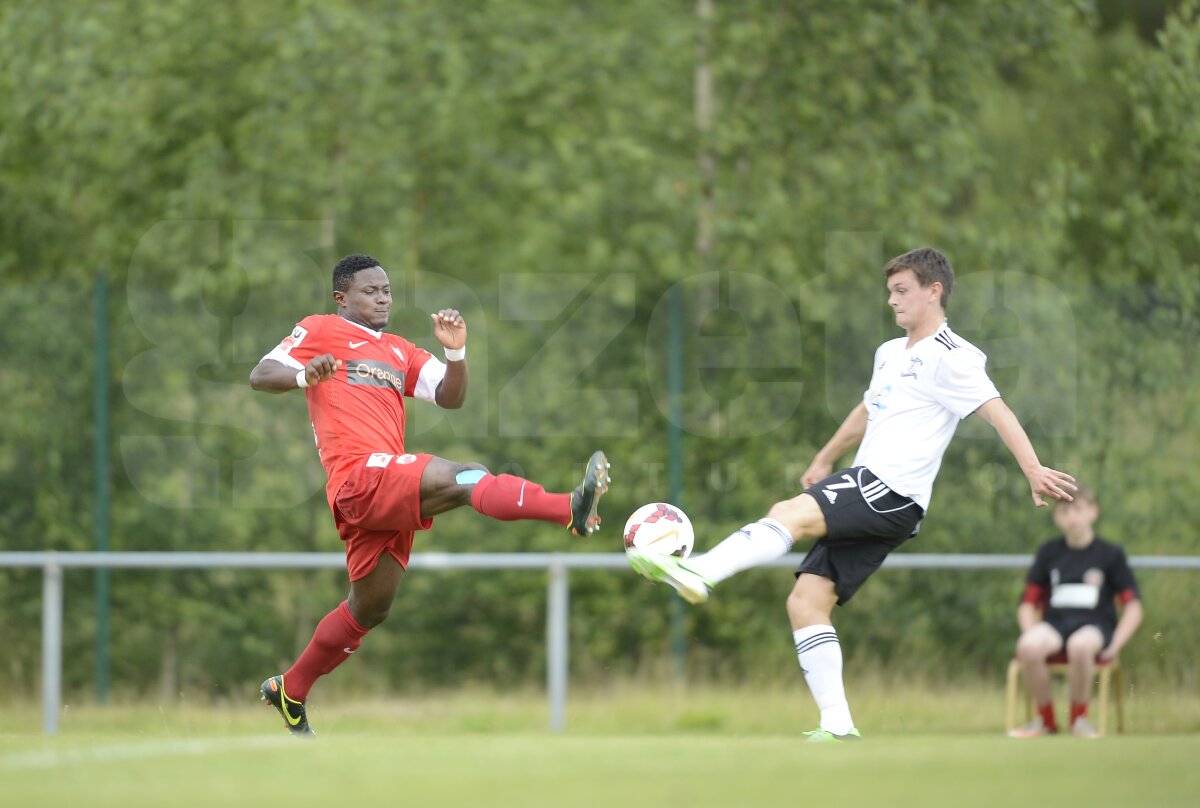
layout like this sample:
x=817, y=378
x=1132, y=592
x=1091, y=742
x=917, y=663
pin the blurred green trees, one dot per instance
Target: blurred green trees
x=535, y=165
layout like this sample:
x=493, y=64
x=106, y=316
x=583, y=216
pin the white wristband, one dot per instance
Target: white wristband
x=301, y=379
x=456, y=354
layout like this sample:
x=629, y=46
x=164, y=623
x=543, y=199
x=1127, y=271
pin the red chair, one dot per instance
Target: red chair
x=1108, y=674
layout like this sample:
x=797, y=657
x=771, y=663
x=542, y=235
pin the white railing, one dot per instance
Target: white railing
x=557, y=566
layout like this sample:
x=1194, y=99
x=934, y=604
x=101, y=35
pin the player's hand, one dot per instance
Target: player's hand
x=449, y=328
x=321, y=368
x=1108, y=654
x=816, y=471
x=1047, y=482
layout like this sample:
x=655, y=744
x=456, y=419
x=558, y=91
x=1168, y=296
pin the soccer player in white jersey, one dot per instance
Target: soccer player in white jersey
x=922, y=385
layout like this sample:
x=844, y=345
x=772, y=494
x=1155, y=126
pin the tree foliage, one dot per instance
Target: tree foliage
x=535, y=165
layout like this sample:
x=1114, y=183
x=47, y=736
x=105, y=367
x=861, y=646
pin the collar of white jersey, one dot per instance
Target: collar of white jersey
x=944, y=328
x=371, y=331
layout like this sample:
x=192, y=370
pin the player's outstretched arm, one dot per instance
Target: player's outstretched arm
x=1131, y=618
x=847, y=436
x=451, y=331
x=270, y=376
x=1043, y=481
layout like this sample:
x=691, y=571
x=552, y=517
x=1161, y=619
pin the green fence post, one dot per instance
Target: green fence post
x=103, y=488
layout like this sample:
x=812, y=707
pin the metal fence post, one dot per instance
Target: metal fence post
x=557, y=612
x=52, y=623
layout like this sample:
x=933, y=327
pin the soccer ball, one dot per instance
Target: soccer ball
x=660, y=528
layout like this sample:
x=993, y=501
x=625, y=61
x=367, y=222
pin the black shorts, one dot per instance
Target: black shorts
x=1067, y=625
x=864, y=520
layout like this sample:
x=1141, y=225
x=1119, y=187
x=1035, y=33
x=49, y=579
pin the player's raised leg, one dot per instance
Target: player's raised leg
x=752, y=545
x=810, y=607
x=755, y=544
x=446, y=485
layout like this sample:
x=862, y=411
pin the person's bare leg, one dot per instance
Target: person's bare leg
x=1082, y=647
x=801, y=516
x=810, y=609
x=371, y=597
x=1033, y=646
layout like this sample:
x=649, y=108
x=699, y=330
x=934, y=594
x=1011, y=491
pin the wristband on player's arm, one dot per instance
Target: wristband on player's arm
x=456, y=354
x=302, y=378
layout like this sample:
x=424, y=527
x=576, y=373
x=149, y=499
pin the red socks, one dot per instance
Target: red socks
x=338, y=635
x=1046, y=711
x=1077, y=709
x=506, y=498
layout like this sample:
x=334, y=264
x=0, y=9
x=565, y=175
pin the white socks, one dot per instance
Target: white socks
x=817, y=647
x=820, y=656
x=756, y=543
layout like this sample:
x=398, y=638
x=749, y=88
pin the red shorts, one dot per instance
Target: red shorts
x=378, y=509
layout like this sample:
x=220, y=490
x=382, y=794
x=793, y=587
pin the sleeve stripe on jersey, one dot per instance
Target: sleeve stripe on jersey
x=1034, y=594
x=285, y=359
x=431, y=375
x=945, y=340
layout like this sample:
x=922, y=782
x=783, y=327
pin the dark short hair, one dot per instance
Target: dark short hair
x=1081, y=494
x=348, y=267
x=930, y=267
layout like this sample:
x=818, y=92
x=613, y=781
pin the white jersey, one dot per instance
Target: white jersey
x=916, y=399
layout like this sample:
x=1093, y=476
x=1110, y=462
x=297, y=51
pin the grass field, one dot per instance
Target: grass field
x=623, y=748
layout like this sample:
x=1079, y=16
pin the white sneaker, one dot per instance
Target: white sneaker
x=1034, y=729
x=1082, y=728
x=690, y=585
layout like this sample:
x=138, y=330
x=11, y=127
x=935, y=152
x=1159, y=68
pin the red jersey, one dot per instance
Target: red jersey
x=360, y=411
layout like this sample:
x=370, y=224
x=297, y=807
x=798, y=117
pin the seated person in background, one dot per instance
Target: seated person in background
x=1070, y=602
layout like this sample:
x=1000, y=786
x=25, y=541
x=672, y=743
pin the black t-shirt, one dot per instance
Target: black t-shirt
x=1080, y=585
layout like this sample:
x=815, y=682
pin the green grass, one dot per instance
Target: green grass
x=601, y=770
x=625, y=747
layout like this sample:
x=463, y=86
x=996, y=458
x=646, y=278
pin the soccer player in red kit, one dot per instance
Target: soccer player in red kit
x=356, y=377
